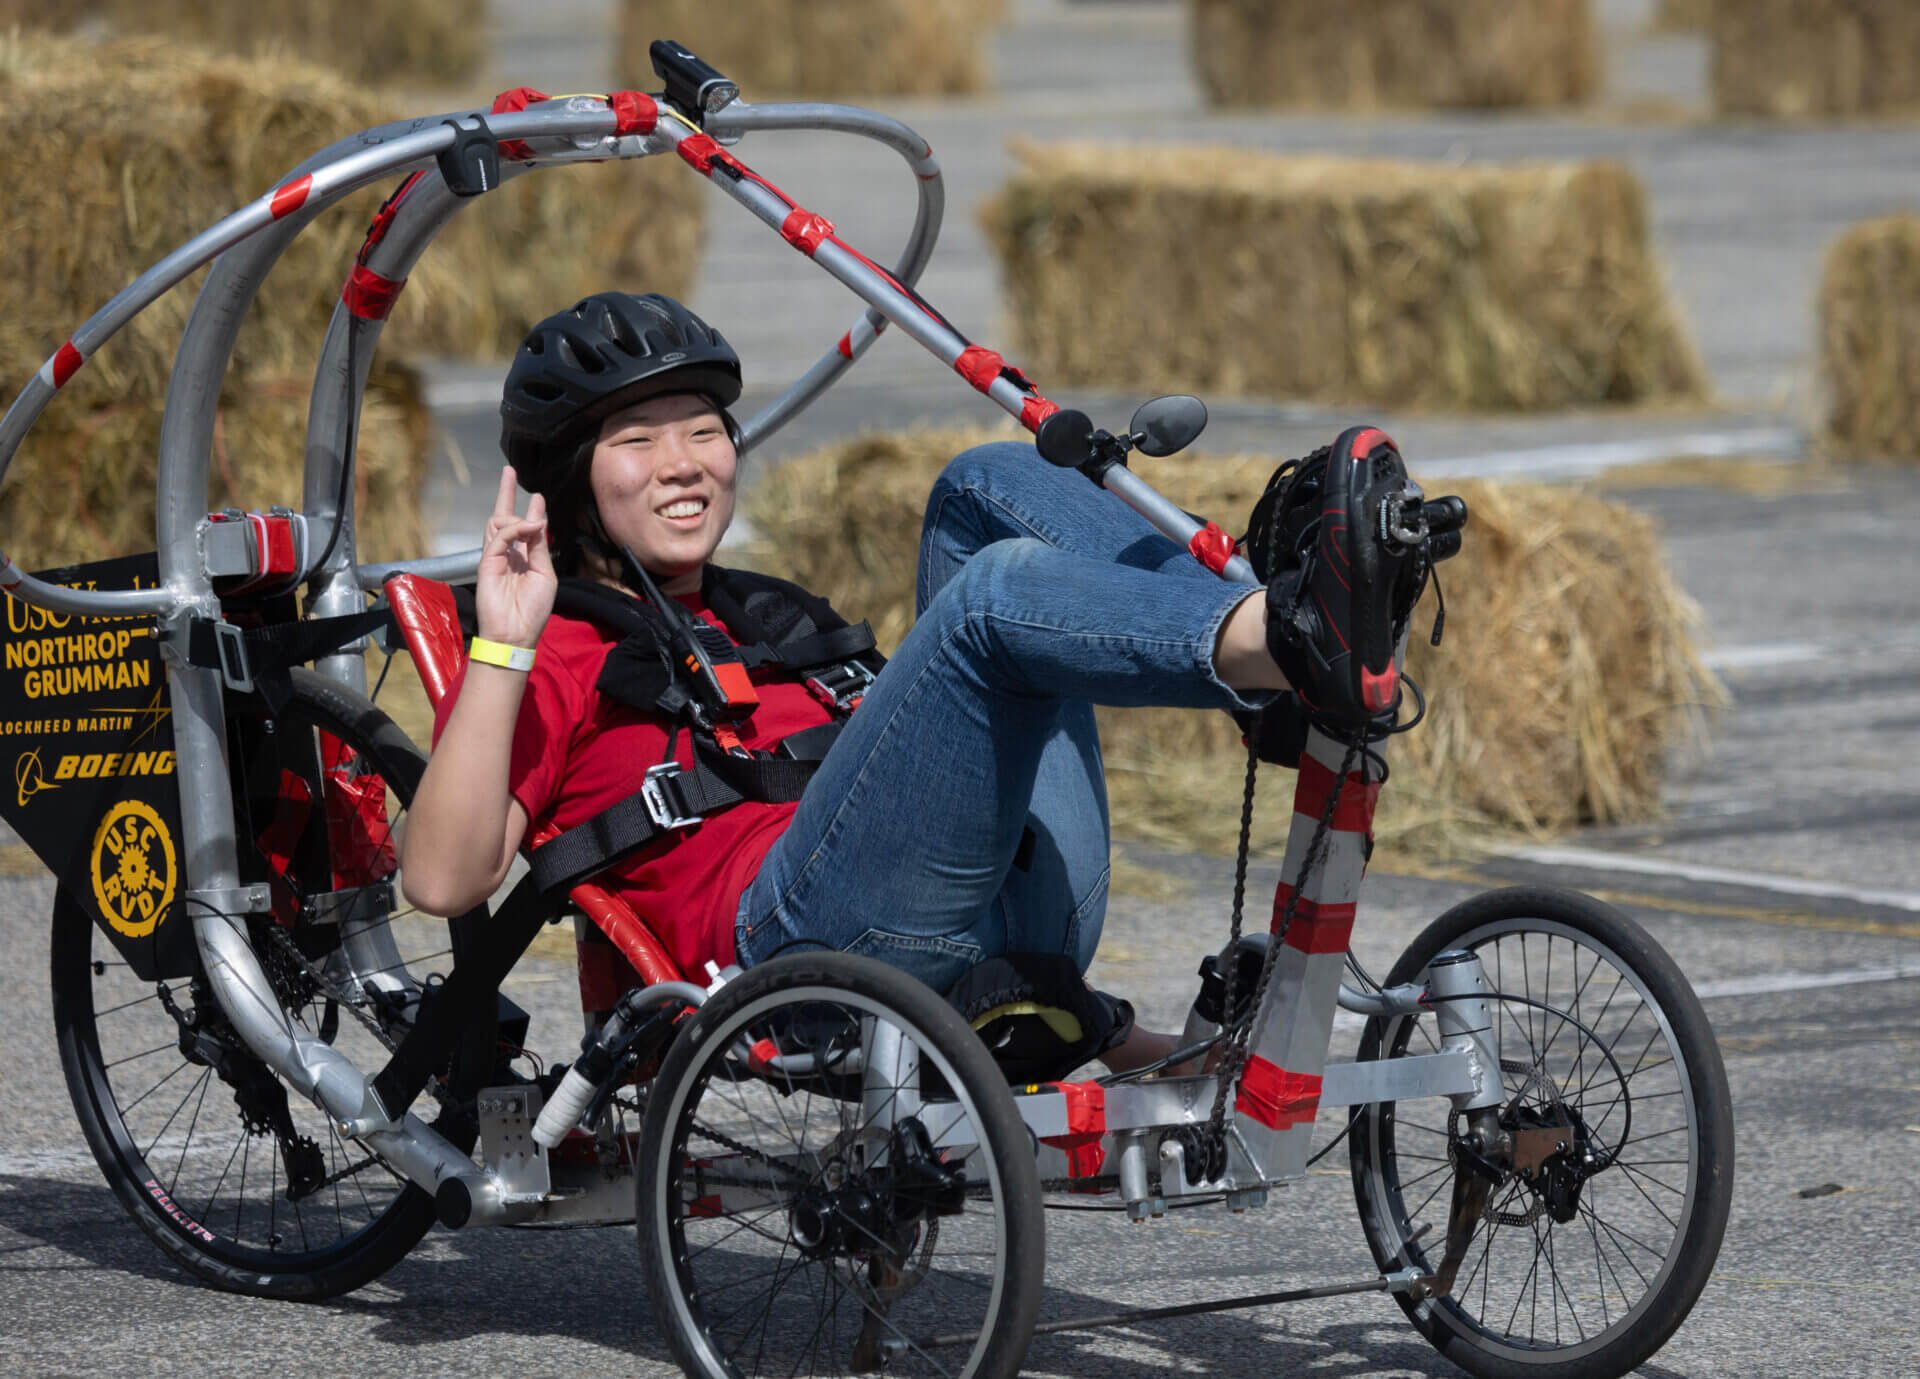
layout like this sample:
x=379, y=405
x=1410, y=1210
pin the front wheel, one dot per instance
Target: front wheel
x=835, y=1178
x=1586, y=1264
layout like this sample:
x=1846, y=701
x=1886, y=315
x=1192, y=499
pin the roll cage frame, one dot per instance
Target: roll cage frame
x=1270, y=1123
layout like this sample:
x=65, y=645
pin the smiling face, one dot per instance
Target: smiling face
x=662, y=477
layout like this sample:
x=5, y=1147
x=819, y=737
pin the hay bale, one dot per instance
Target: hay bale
x=58, y=16
x=1870, y=340
x=1223, y=271
x=1814, y=58
x=180, y=137
x=1682, y=16
x=109, y=177
x=440, y=41
x=1366, y=54
x=1568, y=649
x=824, y=49
x=82, y=487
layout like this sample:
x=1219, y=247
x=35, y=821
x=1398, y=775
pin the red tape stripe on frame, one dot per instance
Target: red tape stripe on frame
x=700, y=150
x=1315, y=782
x=1212, y=547
x=508, y=103
x=370, y=296
x=1086, y=1123
x=804, y=230
x=634, y=112
x=1275, y=1097
x=291, y=197
x=66, y=360
x=979, y=365
x=1035, y=410
x=1316, y=928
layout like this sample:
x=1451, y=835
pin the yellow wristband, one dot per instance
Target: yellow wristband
x=500, y=654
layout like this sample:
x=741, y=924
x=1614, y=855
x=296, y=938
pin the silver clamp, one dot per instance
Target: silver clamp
x=661, y=808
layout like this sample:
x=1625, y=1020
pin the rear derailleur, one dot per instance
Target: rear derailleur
x=208, y=1041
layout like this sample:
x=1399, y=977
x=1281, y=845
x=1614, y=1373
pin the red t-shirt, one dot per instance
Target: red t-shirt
x=576, y=752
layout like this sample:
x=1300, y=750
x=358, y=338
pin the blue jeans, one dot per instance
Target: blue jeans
x=1039, y=596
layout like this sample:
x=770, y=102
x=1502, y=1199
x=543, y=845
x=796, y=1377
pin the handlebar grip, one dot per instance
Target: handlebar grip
x=1443, y=545
x=1447, y=514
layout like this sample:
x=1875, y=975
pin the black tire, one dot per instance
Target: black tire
x=169, y=1130
x=734, y=1292
x=1637, y=1064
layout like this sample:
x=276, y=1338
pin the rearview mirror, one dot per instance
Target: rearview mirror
x=1167, y=425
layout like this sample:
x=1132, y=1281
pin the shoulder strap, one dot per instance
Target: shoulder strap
x=778, y=622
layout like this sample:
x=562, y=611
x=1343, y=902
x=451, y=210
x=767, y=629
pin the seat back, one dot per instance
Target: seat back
x=618, y=949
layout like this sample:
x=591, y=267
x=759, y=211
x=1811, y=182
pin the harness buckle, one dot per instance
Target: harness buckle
x=662, y=807
x=841, y=687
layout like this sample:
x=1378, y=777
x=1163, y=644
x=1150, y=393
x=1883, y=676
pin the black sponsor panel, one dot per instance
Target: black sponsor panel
x=90, y=784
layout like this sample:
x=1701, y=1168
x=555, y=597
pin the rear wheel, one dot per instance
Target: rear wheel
x=1586, y=1264
x=835, y=1177
x=247, y=1187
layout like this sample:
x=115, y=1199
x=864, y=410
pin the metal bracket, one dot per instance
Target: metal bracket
x=508, y=1148
x=345, y=906
x=256, y=899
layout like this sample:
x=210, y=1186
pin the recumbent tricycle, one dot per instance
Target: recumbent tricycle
x=288, y=1079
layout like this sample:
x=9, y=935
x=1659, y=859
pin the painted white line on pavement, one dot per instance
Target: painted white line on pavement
x=1594, y=860
x=464, y=394
x=1576, y=459
x=1762, y=654
x=1806, y=981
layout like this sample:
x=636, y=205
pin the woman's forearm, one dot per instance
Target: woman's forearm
x=464, y=826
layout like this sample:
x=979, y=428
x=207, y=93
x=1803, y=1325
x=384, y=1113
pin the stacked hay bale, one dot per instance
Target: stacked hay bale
x=434, y=41
x=1344, y=281
x=1682, y=16
x=1870, y=340
x=1814, y=58
x=1567, y=659
x=108, y=177
x=1364, y=54
x=824, y=49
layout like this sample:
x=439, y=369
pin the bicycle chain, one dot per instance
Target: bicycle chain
x=1234, y=1062
x=284, y=939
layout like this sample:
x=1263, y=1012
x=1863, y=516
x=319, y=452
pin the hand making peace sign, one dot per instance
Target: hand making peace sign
x=515, y=589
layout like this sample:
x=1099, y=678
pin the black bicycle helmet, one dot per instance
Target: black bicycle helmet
x=603, y=353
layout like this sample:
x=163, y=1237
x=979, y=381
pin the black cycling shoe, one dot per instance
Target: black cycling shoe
x=1337, y=577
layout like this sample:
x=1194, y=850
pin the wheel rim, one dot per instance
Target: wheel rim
x=1530, y=1283
x=214, y=1159
x=750, y=1297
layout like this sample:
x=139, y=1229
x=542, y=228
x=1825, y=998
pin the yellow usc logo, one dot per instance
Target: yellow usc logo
x=135, y=869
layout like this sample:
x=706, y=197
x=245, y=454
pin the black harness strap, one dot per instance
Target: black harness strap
x=256, y=659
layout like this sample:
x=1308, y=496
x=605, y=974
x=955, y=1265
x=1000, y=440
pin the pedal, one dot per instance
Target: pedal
x=508, y=1149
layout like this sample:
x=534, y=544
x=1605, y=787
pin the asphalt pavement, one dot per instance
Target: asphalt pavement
x=1783, y=875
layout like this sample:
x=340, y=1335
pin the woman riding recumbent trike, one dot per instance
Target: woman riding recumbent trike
x=828, y=1168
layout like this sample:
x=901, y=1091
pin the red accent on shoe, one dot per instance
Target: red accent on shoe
x=1368, y=441
x=1376, y=691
